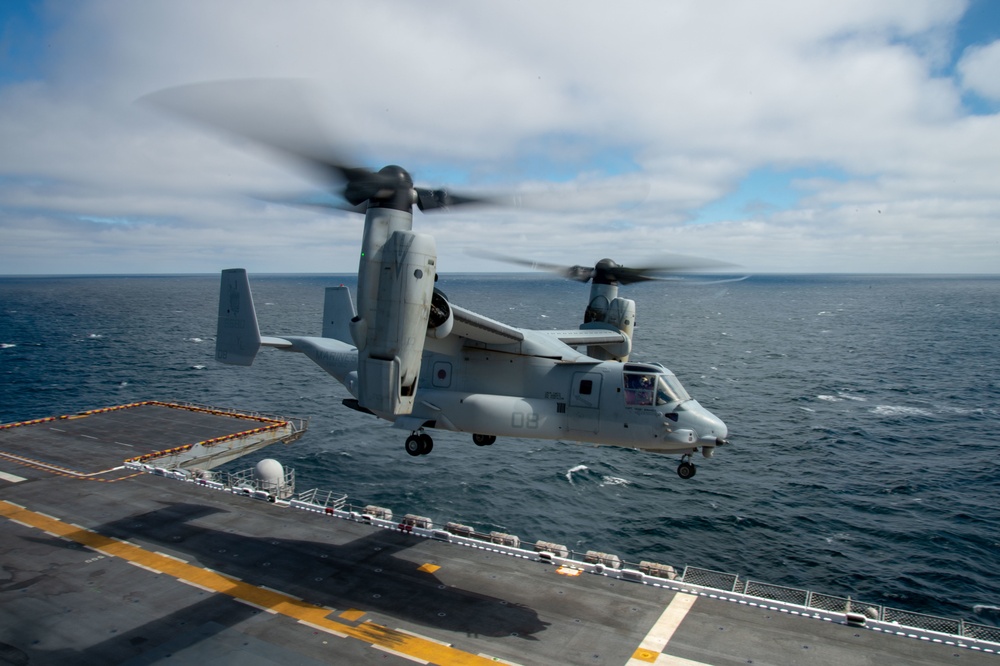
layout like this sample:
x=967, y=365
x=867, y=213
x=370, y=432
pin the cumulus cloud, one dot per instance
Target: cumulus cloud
x=979, y=67
x=630, y=122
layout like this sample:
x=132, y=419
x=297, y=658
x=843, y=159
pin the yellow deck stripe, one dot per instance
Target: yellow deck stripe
x=277, y=602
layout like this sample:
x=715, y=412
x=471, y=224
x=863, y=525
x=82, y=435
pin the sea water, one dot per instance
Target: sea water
x=862, y=411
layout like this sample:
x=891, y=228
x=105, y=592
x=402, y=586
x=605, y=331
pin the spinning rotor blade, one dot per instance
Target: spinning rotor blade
x=578, y=273
x=278, y=114
x=607, y=271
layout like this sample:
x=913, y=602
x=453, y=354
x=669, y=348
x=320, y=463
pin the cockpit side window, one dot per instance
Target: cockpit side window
x=671, y=390
x=640, y=389
x=647, y=389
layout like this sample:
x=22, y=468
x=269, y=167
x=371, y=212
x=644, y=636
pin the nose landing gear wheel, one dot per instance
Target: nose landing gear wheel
x=686, y=469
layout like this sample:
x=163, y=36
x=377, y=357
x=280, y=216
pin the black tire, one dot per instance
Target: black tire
x=483, y=440
x=686, y=470
x=413, y=445
x=426, y=444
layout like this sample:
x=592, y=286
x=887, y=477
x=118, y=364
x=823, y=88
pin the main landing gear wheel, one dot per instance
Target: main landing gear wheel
x=483, y=440
x=686, y=469
x=419, y=444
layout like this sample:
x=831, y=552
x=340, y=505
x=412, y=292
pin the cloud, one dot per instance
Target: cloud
x=979, y=66
x=635, y=119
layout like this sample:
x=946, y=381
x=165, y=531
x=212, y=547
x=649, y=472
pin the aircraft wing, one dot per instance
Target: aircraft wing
x=474, y=326
x=591, y=336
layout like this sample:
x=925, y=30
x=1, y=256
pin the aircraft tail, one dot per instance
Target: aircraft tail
x=237, y=337
x=338, y=311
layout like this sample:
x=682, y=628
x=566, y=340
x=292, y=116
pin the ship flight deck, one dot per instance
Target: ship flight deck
x=140, y=569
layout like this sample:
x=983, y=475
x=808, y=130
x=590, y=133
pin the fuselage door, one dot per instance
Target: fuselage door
x=584, y=402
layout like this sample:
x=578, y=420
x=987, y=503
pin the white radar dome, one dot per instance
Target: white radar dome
x=269, y=471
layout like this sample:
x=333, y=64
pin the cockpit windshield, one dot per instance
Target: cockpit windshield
x=648, y=389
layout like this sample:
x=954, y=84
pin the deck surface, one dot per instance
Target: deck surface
x=141, y=569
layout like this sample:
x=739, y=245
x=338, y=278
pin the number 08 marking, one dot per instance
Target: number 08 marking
x=524, y=420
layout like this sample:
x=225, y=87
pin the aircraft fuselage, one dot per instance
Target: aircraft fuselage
x=494, y=392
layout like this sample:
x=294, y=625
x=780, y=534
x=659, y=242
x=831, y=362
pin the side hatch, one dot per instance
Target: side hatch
x=583, y=413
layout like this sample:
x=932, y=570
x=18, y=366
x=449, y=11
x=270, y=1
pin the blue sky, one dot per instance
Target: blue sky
x=782, y=136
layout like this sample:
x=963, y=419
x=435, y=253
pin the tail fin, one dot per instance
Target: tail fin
x=338, y=311
x=237, y=337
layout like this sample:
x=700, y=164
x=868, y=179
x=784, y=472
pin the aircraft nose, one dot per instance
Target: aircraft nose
x=706, y=424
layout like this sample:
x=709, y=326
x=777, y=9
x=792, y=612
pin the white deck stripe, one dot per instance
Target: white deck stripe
x=663, y=630
x=13, y=478
x=668, y=660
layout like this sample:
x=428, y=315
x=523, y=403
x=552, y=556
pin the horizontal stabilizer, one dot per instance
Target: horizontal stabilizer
x=237, y=337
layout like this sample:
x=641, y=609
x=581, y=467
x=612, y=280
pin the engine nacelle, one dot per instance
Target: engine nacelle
x=441, y=319
x=389, y=332
x=606, y=310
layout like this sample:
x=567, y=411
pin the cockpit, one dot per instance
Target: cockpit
x=648, y=385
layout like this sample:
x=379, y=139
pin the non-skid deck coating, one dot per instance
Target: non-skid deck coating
x=149, y=570
x=95, y=444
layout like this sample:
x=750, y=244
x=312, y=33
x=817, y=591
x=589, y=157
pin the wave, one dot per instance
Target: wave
x=895, y=410
x=578, y=468
x=614, y=481
x=7, y=345
x=841, y=396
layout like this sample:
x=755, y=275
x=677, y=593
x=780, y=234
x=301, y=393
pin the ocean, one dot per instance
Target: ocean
x=863, y=458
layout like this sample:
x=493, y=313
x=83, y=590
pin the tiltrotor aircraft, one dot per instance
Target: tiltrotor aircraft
x=409, y=356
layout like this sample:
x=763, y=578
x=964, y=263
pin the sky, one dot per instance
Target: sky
x=779, y=136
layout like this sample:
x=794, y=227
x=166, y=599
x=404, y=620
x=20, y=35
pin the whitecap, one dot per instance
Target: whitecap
x=95, y=336
x=123, y=384
x=7, y=345
x=578, y=468
x=838, y=536
x=829, y=398
x=895, y=410
x=856, y=398
x=614, y=481
x=197, y=367
x=807, y=409
x=194, y=339
x=960, y=411
x=980, y=608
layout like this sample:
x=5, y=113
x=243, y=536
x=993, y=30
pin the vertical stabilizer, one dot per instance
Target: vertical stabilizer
x=237, y=337
x=338, y=311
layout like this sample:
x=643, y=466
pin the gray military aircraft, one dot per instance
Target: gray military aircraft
x=411, y=357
